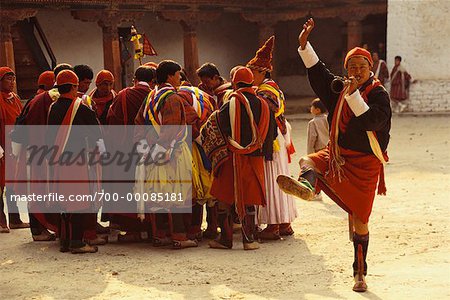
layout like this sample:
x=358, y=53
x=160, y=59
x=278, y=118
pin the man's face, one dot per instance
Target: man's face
x=84, y=84
x=359, y=68
x=397, y=62
x=175, y=80
x=8, y=82
x=211, y=83
x=104, y=88
x=375, y=57
x=258, y=77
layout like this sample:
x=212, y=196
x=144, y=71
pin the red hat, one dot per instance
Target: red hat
x=243, y=75
x=358, y=51
x=4, y=71
x=263, y=58
x=151, y=65
x=46, y=78
x=104, y=75
x=67, y=77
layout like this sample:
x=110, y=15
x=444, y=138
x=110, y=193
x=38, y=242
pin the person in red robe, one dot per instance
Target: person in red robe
x=70, y=112
x=247, y=130
x=103, y=94
x=400, y=82
x=45, y=81
x=35, y=112
x=350, y=169
x=380, y=69
x=123, y=111
x=10, y=107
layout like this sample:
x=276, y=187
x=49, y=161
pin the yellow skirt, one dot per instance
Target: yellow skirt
x=201, y=178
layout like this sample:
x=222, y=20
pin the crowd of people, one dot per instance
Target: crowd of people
x=240, y=154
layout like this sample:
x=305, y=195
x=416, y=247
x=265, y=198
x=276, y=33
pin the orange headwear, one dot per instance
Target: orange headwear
x=243, y=75
x=357, y=51
x=4, y=71
x=104, y=75
x=46, y=78
x=67, y=77
x=151, y=65
x=263, y=58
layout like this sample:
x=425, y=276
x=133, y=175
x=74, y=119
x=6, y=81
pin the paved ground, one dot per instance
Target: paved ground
x=408, y=253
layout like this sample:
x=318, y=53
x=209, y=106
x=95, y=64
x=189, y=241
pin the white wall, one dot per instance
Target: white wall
x=73, y=41
x=418, y=32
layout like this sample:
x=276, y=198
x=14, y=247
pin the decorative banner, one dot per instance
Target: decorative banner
x=148, y=48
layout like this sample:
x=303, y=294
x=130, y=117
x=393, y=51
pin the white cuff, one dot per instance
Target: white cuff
x=356, y=103
x=158, y=152
x=101, y=146
x=308, y=55
x=1, y=152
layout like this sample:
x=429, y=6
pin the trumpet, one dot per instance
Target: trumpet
x=339, y=84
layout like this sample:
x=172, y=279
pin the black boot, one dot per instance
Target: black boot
x=225, y=241
x=249, y=229
x=360, y=244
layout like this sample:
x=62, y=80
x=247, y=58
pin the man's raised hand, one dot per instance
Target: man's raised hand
x=303, y=37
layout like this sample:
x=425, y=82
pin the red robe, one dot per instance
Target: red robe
x=35, y=113
x=10, y=107
x=400, y=80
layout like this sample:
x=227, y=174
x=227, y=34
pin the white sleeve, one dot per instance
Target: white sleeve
x=357, y=103
x=101, y=146
x=308, y=55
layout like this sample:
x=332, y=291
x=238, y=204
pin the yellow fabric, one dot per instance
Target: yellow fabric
x=173, y=177
x=278, y=94
x=276, y=146
x=201, y=178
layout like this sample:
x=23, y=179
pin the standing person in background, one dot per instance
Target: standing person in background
x=85, y=75
x=400, y=82
x=380, y=69
x=10, y=107
x=103, y=94
x=318, y=134
x=280, y=209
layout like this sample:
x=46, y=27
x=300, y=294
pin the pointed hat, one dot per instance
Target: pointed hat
x=263, y=58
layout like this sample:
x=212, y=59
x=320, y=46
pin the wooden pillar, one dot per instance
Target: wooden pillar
x=6, y=46
x=111, y=53
x=190, y=50
x=109, y=20
x=354, y=34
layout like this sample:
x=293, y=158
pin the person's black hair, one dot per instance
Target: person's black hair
x=208, y=70
x=83, y=72
x=267, y=75
x=145, y=73
x=316, y=103
x=183, y=75
x=166, y=68
x=64, y=88
x=398, y=57
x=240, y=85
x=61, y=67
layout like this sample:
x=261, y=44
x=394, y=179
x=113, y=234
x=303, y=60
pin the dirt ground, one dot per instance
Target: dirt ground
x=408, y=252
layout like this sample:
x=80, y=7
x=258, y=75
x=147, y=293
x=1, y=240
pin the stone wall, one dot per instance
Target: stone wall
x=418, y=31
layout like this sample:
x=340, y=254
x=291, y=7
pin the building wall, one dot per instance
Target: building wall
x=418, y=31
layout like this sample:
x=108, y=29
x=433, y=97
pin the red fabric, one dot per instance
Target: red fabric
x=104, y=75
x=10, y=107
x=36, y=114
x=243, y=75
x=4, y=71
x=263, y=58
x=47, y=79
x=400, y=81
x=357, y=51
x=244, y=173
x=357, y=190
x=100, y=102
x=67, y=77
